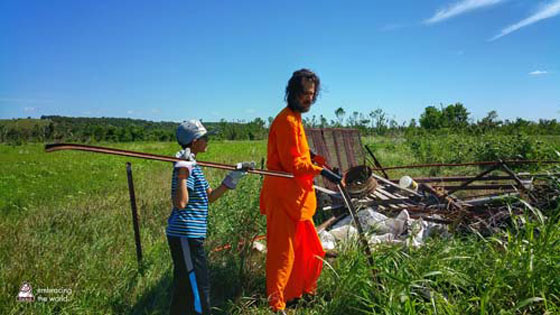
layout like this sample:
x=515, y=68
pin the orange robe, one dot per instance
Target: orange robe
x=292, y=266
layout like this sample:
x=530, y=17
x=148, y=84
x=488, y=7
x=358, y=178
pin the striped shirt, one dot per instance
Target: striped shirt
x=190, y=221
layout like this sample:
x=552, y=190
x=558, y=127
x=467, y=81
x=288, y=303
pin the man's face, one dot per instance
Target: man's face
x=305, y=99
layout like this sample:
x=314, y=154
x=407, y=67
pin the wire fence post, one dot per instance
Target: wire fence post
x=135, y=224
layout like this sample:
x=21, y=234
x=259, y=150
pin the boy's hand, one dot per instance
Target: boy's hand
x=185, y=154
x=231, y=180
x=245, y=165
x=189, y=165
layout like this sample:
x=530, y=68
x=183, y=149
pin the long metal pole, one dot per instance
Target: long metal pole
x=464, y=178
x=376, y=162
x=135, y=224
x=149, y=156
x=468, y=164
x=348, y=202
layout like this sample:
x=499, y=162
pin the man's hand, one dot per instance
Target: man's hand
x=331, y=176
x=318, y=159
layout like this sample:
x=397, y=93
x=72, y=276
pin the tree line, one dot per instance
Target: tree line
x=453, y=118
x=105, y=129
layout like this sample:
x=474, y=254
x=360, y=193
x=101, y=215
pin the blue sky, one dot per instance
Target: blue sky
x=174, y=60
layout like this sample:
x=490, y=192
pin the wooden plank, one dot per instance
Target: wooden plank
x=383, y=197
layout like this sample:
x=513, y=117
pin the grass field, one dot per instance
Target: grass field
x=66, y=225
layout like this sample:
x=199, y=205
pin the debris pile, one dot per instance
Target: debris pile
x=411, y=209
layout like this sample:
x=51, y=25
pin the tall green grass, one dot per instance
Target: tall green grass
x=66, y=224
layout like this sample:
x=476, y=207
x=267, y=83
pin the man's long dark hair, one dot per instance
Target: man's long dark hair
x=296, y=85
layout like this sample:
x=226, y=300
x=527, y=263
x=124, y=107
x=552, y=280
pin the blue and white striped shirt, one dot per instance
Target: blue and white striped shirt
x=191, y=221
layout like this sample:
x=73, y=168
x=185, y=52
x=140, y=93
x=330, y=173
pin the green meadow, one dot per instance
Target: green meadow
x=66, y=224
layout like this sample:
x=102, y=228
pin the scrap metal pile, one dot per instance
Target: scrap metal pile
x=411, y=209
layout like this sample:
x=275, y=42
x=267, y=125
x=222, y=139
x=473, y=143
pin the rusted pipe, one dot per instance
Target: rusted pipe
x=469, y=164
x=157, y=157
x=496, y=166
x=445, y=179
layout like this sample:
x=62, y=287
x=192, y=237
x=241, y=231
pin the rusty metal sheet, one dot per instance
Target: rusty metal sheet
x=342, y=148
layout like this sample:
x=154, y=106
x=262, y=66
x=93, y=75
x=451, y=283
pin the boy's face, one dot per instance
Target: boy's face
x=199, y=145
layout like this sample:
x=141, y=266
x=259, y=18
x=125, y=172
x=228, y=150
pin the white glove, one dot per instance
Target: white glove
x=189, y=162
x=231, y=179
x=185, y=154
x=185, y=164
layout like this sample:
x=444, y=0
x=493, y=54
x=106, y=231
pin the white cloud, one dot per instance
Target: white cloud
x=129, y=111
x=538, y=72
x=250, y=111
x=459, y=8
x=29, y=109
x=546, y=11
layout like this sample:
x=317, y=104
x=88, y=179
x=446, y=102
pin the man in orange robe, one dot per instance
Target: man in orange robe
x=293, y=260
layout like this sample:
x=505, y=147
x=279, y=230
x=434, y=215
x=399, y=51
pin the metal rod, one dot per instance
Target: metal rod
x=361, y=236
x=135, y=224
x=478, y=187
x=149, y=156
x=441, y=196
x=464, y=178
x=469, y=164
x=451, y=191
x=376, y=162
x=517, y=180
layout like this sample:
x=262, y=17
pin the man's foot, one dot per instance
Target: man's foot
x=307, y=298
x=293, y=302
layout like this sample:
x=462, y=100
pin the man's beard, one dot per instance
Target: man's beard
x=297, y=106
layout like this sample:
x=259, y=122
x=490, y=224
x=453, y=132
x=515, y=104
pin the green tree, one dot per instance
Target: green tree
x=455, y=116
x=431, y=118
x=340, y=113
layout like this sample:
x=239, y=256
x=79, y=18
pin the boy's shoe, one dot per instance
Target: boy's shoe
x=282, y=312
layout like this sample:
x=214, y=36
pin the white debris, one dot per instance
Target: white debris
x=344, y=232
x=417, y=229
x=371, y=220
x=384, y=238
x=345, y=221
x=328, y=240
x=259, y=246
x=382, y=229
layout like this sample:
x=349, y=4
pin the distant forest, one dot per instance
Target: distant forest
x=453, y=118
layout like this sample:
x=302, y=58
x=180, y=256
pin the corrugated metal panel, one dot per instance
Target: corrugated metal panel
x=341, y=147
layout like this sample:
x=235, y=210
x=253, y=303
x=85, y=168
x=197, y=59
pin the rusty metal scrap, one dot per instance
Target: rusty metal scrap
x=434, y=198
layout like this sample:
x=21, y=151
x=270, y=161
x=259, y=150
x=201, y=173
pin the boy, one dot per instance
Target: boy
x=186, y=229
